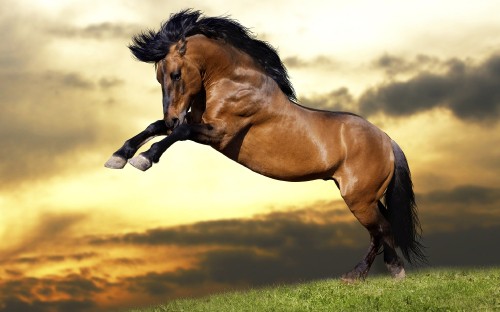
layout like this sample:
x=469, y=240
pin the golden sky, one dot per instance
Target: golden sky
x=76, y=235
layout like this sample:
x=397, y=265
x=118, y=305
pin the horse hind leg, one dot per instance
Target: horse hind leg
x=372, y=218
x=391, y=259
x=360, y=271
x=369, y=216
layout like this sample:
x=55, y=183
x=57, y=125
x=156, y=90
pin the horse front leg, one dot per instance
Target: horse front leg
x=200, y=133
x=119, y=158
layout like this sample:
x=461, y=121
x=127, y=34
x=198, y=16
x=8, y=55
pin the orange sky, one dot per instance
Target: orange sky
x=75, y=234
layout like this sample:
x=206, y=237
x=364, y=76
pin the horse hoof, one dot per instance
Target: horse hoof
x=115, y=162
x=140, y=162
x=396, y=269
x=352, y=277
x=399, y=275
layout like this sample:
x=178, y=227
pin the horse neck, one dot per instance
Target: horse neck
x=217, y=60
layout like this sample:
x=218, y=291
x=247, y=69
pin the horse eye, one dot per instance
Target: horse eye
x=175, y=76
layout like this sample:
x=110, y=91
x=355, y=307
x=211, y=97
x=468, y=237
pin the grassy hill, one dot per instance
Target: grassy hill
x=428, y=290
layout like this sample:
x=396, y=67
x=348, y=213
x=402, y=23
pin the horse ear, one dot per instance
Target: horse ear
x=181, y=46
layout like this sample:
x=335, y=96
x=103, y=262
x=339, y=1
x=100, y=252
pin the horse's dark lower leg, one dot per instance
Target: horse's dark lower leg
x=371, y=216
x=145, y=160
x=201, y=133
x=119, y=158
x=392, y=261
x=360, y=271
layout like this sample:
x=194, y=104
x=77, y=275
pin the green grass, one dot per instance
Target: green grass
x=428, y=290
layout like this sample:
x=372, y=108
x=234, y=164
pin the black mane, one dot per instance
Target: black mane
x=151, y=46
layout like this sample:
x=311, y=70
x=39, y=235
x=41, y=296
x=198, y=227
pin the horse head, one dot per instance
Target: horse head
x=181, y=82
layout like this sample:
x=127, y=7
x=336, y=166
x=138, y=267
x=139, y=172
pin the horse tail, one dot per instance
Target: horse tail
x=402, y=210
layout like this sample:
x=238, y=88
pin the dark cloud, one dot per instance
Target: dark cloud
x=105, y=30
x=319, y=241
x=110, y=82
x=321, y=61
x=75, y=293
x=469, y=91
x=55, y=80
x=15, y=305
x=46, y=119
x=293, y=245
x=270, y=231
x=163, y=284
x=288, y=234
x=460, y=208
x=50, y=228
x=45, y=259
x=242, y=268
x=14, y=273
x=49, y=116
x=465, y=194
x=309, y=252
x=337, y=100
x=473, y=246
x=125, y=261
x=75, y=284
x=394, y=65
x=306, y=255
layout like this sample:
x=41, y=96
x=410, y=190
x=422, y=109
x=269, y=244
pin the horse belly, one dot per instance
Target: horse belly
x=287, y=156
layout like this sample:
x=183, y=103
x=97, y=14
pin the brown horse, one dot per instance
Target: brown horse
x=222, y=87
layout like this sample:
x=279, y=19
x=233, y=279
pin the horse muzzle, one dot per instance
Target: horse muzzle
x=173, y=122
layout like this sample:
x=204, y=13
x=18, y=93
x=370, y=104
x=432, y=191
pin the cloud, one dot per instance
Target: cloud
x=319, y=227
x=54, y=80
x=50, y=228
x=466, y=195
x=394, y=65
x=324, y=62
x=73, y=292
x=337, y=100
x=47, y=118
x=110, y=82
x=459, y=209
x=52, y=114
x=469, y=91
x=16, y=304
x=163, y=284
x=472, y=246
x=322, y=240
x=16, y=49
x=98, y=31
x=312, y=243
x=266, y=231
x=52, y=258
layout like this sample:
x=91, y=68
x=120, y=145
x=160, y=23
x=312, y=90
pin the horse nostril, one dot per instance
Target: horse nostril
x=171, y=123
x=175, y=122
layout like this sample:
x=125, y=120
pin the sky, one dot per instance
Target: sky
x=77, y=236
